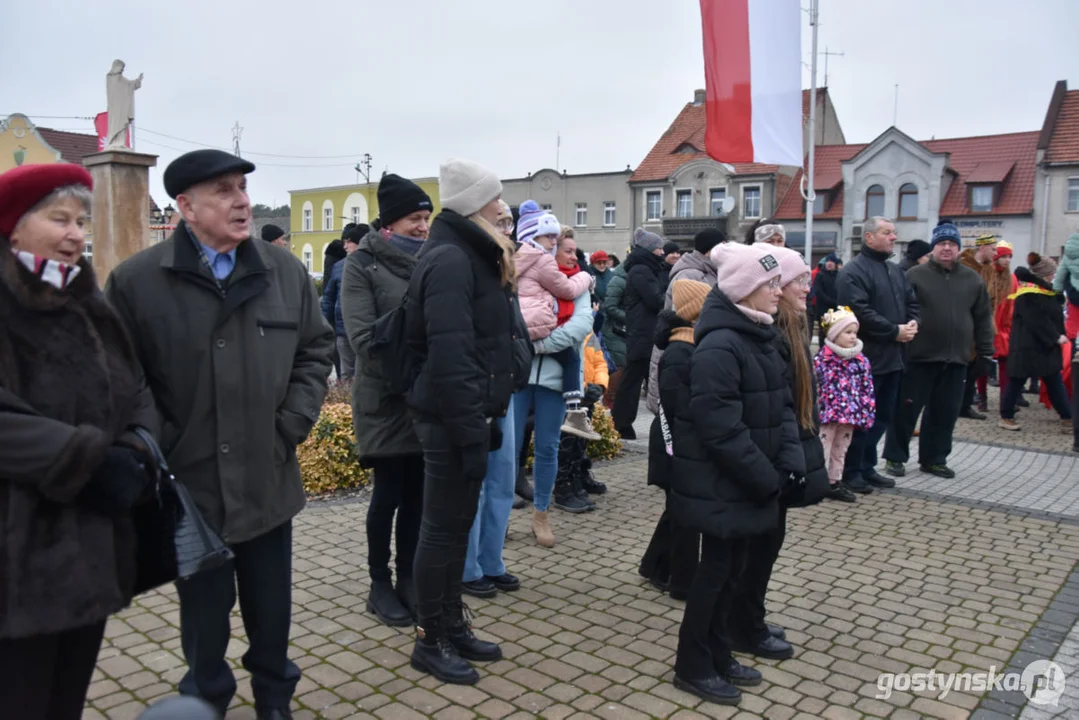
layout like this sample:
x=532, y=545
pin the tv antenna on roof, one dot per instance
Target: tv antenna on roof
x=363, y=167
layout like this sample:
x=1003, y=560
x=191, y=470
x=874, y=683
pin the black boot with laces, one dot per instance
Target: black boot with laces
x=435, y=655
x=457, y=619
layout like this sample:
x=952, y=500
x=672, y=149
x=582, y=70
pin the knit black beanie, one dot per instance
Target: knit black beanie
x=399, y=197
x=705, y=240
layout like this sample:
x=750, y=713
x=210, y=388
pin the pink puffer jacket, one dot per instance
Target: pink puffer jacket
x=539, y=282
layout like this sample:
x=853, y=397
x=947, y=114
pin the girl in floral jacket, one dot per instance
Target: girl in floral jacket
x=845, y=383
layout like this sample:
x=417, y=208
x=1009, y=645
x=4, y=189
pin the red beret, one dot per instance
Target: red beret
x=599, y=256
x=23, y=187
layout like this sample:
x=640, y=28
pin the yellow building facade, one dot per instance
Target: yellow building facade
x=320, y=214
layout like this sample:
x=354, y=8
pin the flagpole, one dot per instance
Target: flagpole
x=808, y=189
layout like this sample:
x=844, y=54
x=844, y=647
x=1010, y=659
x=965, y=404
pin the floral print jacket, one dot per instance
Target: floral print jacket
x=845, y=386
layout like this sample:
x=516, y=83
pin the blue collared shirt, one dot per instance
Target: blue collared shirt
x=221, y=264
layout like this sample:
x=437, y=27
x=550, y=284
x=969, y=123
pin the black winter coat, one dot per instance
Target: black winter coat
x=1037, y=323
x=882, y=300
x=659, y=462
x=735, y=436
x=824, y=292
x=643, y=301
x=816, y=484
x=460, y=322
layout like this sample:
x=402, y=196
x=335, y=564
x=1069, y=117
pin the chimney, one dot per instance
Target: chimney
x=698, y=97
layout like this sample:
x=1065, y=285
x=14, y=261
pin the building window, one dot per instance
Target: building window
x=820, y=203
x=308, y=256
x=1073, y=194
x=545, y=206
x=874, y=201
x=308, y=212
x=653, y=205
x=684, y=203
x=751, y=202
x=981, y=198
x=88, y=251
x=716, y=197
x=355, y=214
x=581, y=218
x=908, y=202
x=327, y=215
x=608, y=214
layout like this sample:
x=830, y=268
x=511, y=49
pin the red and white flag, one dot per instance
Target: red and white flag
x=101, y=125
x=753, y=76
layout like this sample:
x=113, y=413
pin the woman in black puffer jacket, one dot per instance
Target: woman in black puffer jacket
x=735, y=442
x=749, y=631
x=460, y=322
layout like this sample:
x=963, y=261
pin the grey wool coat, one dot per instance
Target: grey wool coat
x=375, y=281
x=238, y=372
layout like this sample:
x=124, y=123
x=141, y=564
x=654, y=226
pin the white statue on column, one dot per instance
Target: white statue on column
x=120, y=98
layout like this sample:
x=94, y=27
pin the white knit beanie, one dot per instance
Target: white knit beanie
x=547, y=225
x=466, y=187
x=741, y=269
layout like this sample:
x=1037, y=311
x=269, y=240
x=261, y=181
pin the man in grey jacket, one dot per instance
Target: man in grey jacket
x=236, y=354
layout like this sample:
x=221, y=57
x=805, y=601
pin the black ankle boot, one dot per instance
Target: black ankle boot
x=457, y=625
x=435, y=655
x=579, y=491
x=565, y=497
x=591, y=485
x=406, y=592
x=386, y=606
x=523, y=488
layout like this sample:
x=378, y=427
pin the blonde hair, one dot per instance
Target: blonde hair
x=794, y=327
x=509, y=270
x=567, y=232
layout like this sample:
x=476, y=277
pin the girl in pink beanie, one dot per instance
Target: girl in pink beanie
x=845, y=380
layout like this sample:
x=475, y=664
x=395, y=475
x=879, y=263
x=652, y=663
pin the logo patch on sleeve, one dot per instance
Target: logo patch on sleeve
x=769, y=263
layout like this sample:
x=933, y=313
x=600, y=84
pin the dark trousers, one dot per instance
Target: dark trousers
x=628, y=399
x=703, y=640
x=449, y=508
x=398, y=489
x=937, y=388
x=673, y=553
x=1075, y=401
x=1054, y=385
x=46, y=677
x=862, y=453
x=262, y=573
x=747, y=608
x=970, y=387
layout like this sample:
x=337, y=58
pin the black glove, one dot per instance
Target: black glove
x=474, y=462
x=593, y=393
x=496, y=436
x=118, y=483
x=982, y=366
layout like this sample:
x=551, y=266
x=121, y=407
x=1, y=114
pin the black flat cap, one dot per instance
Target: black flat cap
x=271, y=233
x=201, y=165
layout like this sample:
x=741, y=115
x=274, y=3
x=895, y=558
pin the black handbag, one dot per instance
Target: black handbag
x=173, y=541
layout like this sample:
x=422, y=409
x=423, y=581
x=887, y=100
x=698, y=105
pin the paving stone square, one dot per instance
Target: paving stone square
x=898, y=582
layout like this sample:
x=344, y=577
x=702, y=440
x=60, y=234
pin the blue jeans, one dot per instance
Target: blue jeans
x=570, y=360
x=488, y=533
x=550, y=412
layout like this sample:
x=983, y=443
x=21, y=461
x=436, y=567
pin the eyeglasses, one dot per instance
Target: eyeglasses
x=505, y=225
x=773, y=284
x=803, y=281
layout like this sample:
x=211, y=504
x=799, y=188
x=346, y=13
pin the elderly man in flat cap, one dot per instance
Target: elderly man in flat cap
x=236, y=353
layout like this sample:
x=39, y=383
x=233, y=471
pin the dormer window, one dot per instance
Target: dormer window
x=820, y=202
x=982, y=198
x=686, y=149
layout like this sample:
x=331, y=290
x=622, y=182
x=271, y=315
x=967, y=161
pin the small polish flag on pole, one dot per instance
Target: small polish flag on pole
x=753, y=76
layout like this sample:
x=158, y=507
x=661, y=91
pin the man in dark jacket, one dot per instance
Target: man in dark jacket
x=236, y=354
x=331, y=302
x=955, y=318
x=643, y=301
x=824, y=289
x=887, y=310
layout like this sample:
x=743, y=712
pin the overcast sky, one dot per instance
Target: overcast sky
x=415, y=81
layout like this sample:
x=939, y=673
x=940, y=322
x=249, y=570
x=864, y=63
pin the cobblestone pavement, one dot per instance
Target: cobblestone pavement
x=893, y=583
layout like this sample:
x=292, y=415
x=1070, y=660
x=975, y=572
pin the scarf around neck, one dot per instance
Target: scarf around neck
x=761, y=318
x=407, y=245
x=53, y=272
x=682, y=334
x=845, y=353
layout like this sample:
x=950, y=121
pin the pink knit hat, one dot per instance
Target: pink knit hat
x=791, y=264
x=836, y=320
x=741, y=269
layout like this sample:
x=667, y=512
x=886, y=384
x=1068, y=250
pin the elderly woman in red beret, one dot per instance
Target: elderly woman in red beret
x=71, y=389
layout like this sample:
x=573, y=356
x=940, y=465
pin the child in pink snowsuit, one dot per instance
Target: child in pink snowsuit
x=845, y=388
x=544, y=290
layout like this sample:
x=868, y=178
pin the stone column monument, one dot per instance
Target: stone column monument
x=120, y=217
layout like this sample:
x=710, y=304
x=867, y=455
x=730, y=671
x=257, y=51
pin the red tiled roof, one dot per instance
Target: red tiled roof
x=72, y=146
x=689, y=127
x=1064, y=145
x=970, y=158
